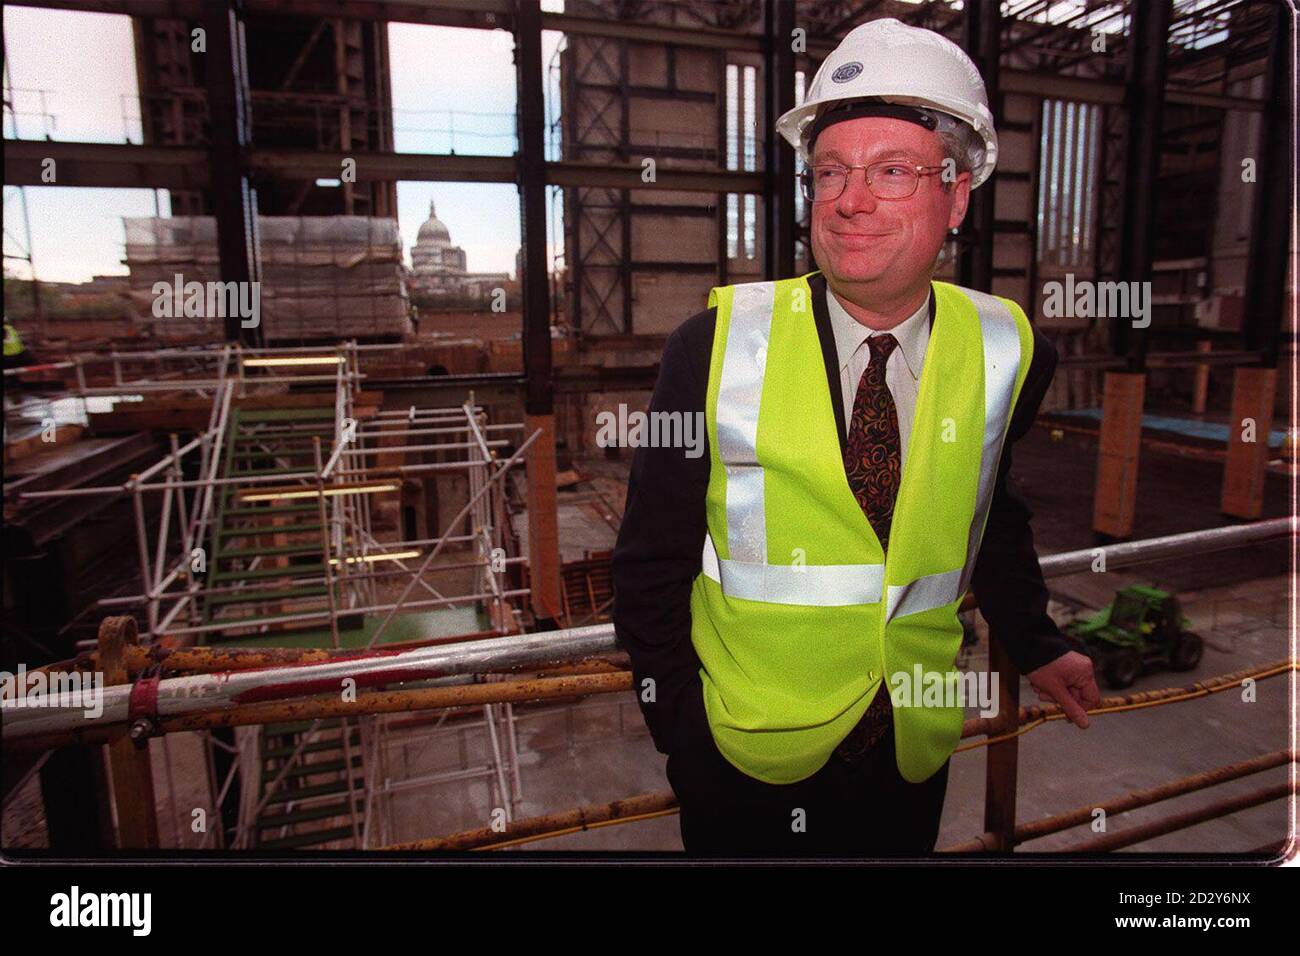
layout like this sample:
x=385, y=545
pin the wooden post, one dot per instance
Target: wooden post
x=1253, y=391
x=131, y=770
x=1001, y=763
x=543, y=530
x=1115, y=496
x=1201, y=387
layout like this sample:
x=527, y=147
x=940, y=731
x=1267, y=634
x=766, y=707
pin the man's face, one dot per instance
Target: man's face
x=886, y=246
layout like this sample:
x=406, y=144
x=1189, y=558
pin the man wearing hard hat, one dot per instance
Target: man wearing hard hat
x=790, y=601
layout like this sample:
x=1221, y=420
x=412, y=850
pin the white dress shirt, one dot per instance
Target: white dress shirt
x=903, y=370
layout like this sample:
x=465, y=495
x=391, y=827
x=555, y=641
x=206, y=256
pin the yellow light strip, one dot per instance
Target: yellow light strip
x=314, y=493
x=293, y=360
x=371, y=558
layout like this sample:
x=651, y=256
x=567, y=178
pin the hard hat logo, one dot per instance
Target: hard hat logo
x=846, y=72
x=908, y=66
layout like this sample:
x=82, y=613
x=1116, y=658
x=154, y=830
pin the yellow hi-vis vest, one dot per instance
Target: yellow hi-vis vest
x=798, y=614
x=13, y=342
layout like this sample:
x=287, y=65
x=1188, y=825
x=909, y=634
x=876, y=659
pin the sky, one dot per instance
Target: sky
x=453, y=89
x=76, y=233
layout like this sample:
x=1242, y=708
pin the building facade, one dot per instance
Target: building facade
x=439, y=270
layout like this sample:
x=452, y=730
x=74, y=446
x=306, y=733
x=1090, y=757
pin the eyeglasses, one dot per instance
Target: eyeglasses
x=889, y=179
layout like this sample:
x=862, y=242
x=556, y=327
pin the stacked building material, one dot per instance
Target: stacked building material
x=324, y=278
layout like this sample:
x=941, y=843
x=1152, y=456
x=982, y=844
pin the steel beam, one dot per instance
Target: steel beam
x=481, y=14
x=171, y=167
x=614, y=176
x=384, y=167
x=106, y=165
x=491, y=14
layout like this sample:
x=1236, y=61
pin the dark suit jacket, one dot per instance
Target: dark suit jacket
x=660, y=542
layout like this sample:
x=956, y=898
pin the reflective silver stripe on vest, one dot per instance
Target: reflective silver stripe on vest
x=740, y=393
x=1001, y=364
x=923, y=594
x=810, y=585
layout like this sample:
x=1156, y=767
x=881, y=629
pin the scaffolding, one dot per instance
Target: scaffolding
x=264, y=526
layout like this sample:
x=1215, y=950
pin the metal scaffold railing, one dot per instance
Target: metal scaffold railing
x=258, y=474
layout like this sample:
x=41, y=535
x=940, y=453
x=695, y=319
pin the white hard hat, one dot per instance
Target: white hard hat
x=909, y=66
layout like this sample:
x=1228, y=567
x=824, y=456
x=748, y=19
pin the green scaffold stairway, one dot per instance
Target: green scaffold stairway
x=266, y=558
x=268, y=576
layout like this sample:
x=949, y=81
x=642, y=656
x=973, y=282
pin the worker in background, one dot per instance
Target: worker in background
x=16, y=355
x=773, y=592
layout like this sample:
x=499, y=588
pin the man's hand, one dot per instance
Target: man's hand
x=1069, y=682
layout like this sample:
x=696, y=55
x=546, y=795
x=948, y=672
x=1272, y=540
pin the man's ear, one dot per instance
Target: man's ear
x=960, y=200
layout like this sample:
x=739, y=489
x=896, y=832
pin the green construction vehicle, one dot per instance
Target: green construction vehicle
x=1142, y=628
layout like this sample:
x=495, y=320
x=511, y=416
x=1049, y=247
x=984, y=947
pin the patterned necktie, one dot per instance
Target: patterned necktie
x=872, y=459
x=873, y=463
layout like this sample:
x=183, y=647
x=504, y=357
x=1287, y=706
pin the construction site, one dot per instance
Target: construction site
x=318, y=503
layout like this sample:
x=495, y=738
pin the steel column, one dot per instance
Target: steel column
x=539, y=388
x=778, y=155
x=539, y=397
x=1270, y=243
x=1145, y=96
x=234, y=200
x=981, y=33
